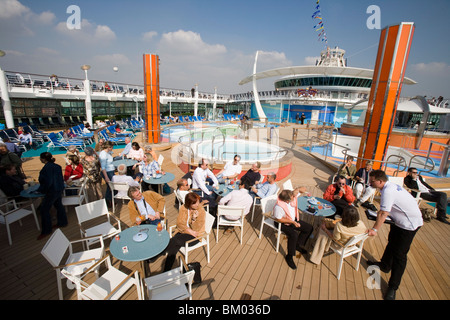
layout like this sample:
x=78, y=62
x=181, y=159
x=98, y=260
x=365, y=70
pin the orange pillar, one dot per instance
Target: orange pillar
x=151, y=88
x=390, y=66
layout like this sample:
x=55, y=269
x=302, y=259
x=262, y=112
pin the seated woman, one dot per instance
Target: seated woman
x=190, y=225
x=73, y=173
x=136, y=152
x=148, y=167
x=74, y=170
x=298, y=232
x=344, y=230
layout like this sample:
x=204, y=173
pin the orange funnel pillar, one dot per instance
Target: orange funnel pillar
x=390, y=66
x=152, y=107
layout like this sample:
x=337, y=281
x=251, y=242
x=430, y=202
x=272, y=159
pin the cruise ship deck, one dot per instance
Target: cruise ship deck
x=252, y=270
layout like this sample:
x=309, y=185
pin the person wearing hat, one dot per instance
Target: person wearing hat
x=91, y=169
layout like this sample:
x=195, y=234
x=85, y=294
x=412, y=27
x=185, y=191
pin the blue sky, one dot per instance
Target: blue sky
x=213, y=43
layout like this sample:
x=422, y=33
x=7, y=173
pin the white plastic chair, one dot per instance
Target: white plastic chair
x=79, y=198
x=287, y=185
x=111, y=285
x=255, y=202
x=353, y=246
x=171, y=285
x=267, y=205
x=223, y=211
x=160, y=160
x=94, y=210
x=119, y=186
x=77, y=262
x=203, y=239
x=10, y=213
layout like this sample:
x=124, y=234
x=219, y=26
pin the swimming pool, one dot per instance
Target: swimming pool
x=249, y=150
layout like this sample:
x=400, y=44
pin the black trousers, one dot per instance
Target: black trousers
x=340, y=205
x=395, y=255
x=175, y=243
x=297, y=237
x=441, y=201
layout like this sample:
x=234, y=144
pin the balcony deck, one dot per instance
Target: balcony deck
x=252, y=270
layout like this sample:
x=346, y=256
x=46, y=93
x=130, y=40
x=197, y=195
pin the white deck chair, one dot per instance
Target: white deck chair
x=353, y=246
x=257, y=199
x=79, y=198
x=171, y=285
x=111, y=285
x=267, y=205
x=203, y=239
x=10, y=212
x=119, y=186
x=287, y=185
x=76, y=263
x=160, y=160
x=223, y=211
x=94, y=210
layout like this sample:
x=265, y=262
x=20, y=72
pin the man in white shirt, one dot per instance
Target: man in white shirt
x=402, y=208
x=231, y=170
x=199, y=178
x=123, y=178
x=182, y=190
x=199, y=184
x=238, y=198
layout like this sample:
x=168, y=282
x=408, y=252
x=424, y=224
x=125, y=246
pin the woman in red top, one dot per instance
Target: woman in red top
x=74, y=170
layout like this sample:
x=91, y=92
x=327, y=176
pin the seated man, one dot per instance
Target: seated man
x=253, y=173
x=266, y=189
x=183, y=189
x=26, y=139
x=122, y=177
x=126, y=150
x=10, y=183
x=238, y=198
x=231, y=170
x=347, y=170
x=415, y=181
x=146, y=208
x=340, y=194
x=199, y=182
x=363, y=189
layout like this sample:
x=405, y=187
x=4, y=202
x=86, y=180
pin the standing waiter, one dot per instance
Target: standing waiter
x=401, y=207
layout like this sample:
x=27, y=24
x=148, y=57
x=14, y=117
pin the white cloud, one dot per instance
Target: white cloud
x=189, y=42
x=146, y=36
x=311, y=61
x=12, y=9
x=46, y=18
x=436, y=68
x=115, y=59
x=89, y=32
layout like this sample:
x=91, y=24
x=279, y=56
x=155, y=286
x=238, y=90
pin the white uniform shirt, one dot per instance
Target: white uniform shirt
x=199, y=179
x=401, y=205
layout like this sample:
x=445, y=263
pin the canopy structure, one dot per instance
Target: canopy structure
x=315, y=70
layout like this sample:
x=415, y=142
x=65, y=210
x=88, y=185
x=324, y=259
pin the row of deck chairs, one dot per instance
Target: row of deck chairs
x=190, y=118
x=132, y=125
x=39, y=137
x=80, y=141
x=50, y=122
x=230, y=117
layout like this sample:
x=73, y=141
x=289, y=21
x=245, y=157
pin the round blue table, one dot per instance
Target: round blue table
x=224, y=189
x=327, y=208
x=127, y=162
x=155, y=243
x=165, y=178
x=31, y=192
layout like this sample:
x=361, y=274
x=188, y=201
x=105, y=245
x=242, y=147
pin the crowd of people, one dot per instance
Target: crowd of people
x=197, y=194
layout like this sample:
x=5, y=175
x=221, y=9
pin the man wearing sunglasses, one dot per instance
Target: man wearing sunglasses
x=340, y=194
x=415, y=181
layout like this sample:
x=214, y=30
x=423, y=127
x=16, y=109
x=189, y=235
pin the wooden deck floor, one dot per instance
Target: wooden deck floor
x=252, y=270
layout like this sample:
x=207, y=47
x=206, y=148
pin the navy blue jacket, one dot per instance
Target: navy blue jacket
x=51, y=179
